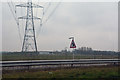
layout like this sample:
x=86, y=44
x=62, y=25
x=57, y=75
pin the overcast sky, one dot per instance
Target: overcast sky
x=93, y=24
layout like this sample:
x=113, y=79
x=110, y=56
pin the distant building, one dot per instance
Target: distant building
x=45, y=52
x=85, y=49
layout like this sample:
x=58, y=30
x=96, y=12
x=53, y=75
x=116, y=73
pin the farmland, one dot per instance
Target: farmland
x=34, y=56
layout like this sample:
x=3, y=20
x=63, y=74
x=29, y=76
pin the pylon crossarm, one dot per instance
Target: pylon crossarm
x=22, y=5
x=27, y=5
x=25, y=17
x=34, y=17
x=36, y=6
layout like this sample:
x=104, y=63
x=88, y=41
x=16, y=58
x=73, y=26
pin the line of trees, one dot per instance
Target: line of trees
x=87, y=50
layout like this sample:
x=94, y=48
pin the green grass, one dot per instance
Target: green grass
x=75, y=73
x=27, y=56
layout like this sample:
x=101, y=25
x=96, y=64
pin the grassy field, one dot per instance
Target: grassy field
x=27, y=56
x=83, y=73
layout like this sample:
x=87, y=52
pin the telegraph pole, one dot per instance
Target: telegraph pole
x=29, y=42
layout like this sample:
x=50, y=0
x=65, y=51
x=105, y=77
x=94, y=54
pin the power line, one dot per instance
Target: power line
x=39, y=29
x=13, y=14
x=49, y=4
x=44, y=12
x=16, y=22
x=51, y=13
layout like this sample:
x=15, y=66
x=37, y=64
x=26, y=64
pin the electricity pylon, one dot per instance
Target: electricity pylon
x=29, y=42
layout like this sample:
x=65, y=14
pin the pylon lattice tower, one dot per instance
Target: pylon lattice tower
x=29, y=42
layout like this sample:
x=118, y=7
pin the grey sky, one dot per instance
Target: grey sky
x=92, y=24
